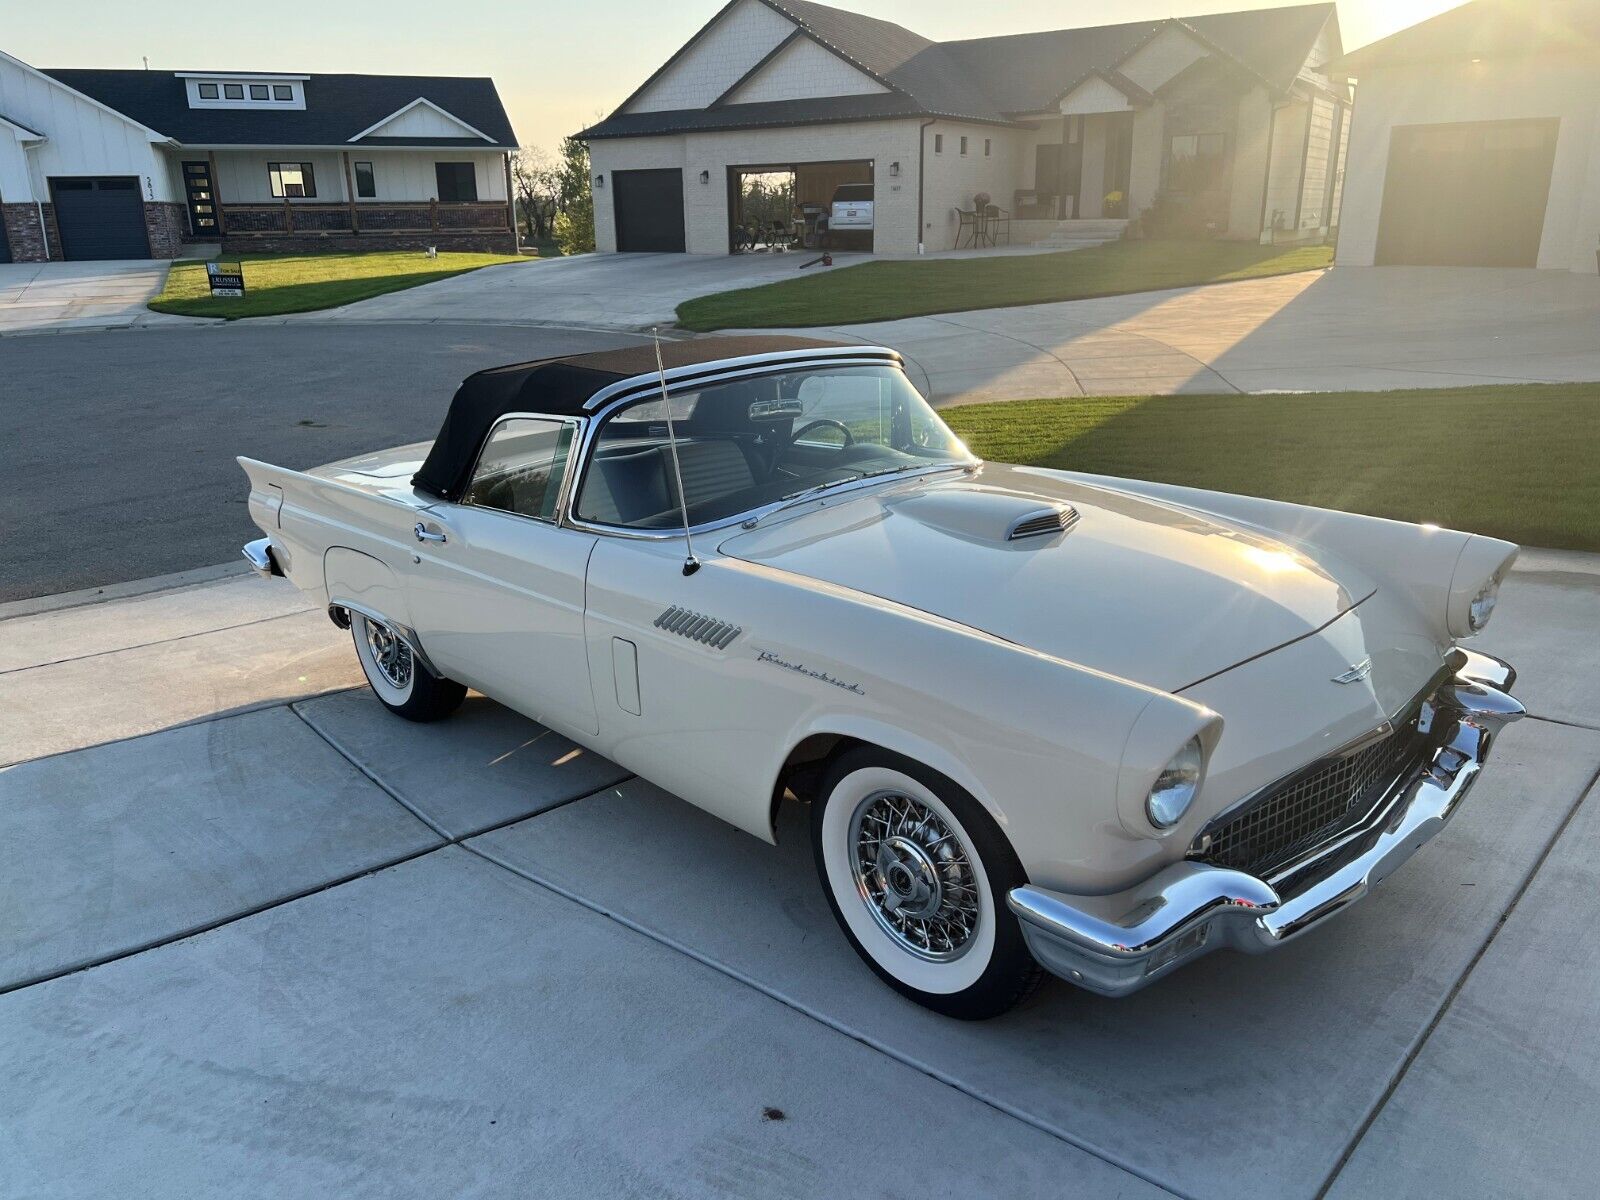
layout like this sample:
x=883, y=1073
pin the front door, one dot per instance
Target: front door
x=1119, y=164
x=202, y=196
x=497, y=588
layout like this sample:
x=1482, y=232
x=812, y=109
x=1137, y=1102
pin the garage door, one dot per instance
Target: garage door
x=649, y=209
x=1467, y=195
x=100, y=218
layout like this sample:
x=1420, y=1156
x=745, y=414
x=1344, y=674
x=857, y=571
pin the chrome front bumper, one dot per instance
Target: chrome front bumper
x=1117, y=944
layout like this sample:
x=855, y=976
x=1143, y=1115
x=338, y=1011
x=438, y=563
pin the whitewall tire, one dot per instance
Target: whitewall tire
x=406, y=687
x=916, y=873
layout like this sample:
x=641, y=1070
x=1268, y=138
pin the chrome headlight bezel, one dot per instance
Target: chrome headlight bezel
x=1481, y=607
x=1175, y=788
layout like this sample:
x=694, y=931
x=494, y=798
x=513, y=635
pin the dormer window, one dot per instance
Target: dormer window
x=224, y=90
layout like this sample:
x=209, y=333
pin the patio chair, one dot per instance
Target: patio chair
x=966, y=227
x=996, y=224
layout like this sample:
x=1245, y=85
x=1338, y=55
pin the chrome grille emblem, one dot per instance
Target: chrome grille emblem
x=698, y=627
x=1356, y=673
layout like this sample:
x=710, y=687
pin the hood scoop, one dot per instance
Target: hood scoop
x=989, y=515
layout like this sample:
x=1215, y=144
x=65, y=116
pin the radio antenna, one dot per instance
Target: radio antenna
x=691, y=564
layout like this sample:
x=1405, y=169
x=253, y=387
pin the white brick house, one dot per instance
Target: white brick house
x=1234, y=114
x=1477, y=142
x=132, y=164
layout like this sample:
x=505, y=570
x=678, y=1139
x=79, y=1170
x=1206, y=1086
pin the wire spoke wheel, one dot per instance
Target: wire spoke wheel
x=914, y=876
x=390, y=655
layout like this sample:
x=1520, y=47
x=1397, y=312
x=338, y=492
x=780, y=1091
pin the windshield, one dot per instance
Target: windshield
x=753, y=442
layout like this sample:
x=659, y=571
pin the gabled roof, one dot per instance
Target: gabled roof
x=1488, y=29
x=338, y=108
x=986, y=80
x=22, y=130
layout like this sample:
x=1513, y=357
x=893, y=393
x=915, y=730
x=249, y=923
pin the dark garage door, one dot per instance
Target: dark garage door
x=1467, y=195
x=649, y=209
x=100, y=218
x=5, y=244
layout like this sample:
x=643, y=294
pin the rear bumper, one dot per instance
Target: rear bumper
x=1117, y=944
x=259, y=555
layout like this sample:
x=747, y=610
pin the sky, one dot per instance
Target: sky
x=557, y=66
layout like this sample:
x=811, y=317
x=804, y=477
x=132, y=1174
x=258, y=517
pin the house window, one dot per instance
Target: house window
x=233, y=91
x=366, y=181
x=457, y=181
x=292, y=180
x=1195, y=160
x=258, y=91
x=938, y=143
x=282, y=91
x=963, y=146
x=208, y=91
x=988, y=145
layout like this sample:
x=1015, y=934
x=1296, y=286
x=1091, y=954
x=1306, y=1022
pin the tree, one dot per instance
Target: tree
x=574, y=222
x=535, y=184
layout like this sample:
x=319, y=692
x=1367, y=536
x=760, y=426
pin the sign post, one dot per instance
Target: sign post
x=226, y=279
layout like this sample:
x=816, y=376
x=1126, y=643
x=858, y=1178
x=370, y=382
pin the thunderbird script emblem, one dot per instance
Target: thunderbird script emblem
x=1356, y=673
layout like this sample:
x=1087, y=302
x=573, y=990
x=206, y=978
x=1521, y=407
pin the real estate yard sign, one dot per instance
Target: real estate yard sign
x=227, y=279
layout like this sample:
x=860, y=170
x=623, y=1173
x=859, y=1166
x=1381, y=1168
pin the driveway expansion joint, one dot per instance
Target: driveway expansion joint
x=1421, y=1042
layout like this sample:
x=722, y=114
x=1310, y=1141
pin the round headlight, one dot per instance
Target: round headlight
x=1175, y=787
x=1482, y=606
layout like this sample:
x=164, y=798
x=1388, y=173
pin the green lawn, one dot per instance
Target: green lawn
x=886, y=290
x=1516, y=462
x=290, y=283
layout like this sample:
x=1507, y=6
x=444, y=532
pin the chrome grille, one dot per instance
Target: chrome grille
x=698, y=627
x=1310, y=806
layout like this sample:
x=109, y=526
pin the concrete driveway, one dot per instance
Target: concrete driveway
x=62, y=296
x=1348, y=329
x=258, y=937
x=594, y=291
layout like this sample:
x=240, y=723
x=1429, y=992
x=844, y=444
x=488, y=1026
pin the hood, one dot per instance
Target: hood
x=1132, y=587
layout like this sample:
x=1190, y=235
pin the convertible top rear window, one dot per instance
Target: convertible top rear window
x=752, y=442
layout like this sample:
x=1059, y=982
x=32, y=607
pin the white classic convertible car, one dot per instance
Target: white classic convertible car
x=1041, y=719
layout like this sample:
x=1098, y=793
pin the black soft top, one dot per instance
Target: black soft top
x=561, y=386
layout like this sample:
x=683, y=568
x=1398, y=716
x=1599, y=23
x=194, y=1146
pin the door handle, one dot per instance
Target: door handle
x=426, y=535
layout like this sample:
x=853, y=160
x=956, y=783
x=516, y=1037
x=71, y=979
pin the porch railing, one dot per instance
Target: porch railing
x=423, y=216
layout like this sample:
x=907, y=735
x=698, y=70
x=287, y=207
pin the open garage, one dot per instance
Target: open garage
x=811, y=205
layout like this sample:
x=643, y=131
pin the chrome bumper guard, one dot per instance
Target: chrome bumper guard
x=1117, y=944
x=259, y=555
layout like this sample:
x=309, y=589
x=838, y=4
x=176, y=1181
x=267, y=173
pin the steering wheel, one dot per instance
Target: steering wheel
x=849, y=438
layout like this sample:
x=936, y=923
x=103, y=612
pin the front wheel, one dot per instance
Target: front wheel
x=916, y=873
x=406, y=687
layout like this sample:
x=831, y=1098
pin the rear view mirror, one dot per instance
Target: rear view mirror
x=775, y=410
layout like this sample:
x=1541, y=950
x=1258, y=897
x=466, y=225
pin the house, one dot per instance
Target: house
x=133, y=164
x=1234, y=114
x=1477, y=142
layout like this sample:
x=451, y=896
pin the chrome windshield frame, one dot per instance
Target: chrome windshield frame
x=619, y=395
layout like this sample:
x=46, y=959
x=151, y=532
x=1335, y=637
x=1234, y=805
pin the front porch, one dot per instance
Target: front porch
x=294, y=201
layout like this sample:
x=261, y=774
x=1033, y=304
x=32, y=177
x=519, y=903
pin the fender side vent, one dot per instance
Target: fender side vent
x=1046, y=522
x=698, y=627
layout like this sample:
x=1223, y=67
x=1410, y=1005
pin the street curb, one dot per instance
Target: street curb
x=34, y=605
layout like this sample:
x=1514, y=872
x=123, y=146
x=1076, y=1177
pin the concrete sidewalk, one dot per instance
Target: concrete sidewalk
x=260, y=937
x=1348, y=329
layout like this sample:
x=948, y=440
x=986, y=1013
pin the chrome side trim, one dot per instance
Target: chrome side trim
x=259, y=555
x=339, y=613
x=698, y=627
x=743, y=365
x=1117, y=944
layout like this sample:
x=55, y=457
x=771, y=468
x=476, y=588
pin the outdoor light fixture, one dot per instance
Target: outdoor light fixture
x=705, y=176
x=599, y=181
x=894, y=169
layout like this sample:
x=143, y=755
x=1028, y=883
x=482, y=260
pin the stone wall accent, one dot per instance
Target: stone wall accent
x=167, y=224
x=487, y=241
x=23, y=232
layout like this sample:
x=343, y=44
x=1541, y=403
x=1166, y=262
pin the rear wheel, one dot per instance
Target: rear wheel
x=916, y=873
x=403, y=684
